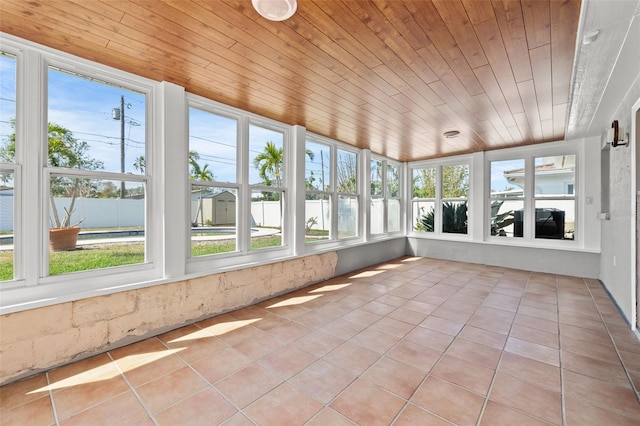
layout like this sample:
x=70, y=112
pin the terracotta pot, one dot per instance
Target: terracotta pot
x=63, y=238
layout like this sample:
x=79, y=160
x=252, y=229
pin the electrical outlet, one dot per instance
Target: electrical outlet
x=614, y=261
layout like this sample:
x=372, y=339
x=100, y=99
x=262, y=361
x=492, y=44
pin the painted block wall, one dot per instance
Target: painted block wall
x=618, y=233
x=38, y=339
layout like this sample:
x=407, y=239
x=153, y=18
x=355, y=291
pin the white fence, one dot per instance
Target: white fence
x=115, y=213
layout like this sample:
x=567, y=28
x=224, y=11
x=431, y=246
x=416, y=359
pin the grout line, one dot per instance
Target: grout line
x=212, y=385
x=563, y=403
x=495, y=372
x=615, y=347
x=144, y=406
x=53, y=403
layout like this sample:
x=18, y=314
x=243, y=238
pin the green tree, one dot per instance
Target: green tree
x=424, y=183
x=64, y=151
x=455, y=181
x=140, y=164
x=197, y=172
x=270, y=164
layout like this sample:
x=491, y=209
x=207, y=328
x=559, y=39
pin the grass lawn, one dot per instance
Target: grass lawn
x=105, y=256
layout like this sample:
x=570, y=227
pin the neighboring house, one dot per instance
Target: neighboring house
x=555, y=208
x=555, y=177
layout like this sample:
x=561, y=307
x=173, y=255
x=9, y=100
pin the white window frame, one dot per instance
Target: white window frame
x=529, y=154
x=31, y=179
x=439, y=199
x=333, y=241
x=244, y=254
x=385, y=197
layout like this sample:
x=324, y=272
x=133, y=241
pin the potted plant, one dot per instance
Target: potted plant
x=64, y=236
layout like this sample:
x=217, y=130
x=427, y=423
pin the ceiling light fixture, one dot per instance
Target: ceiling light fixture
x=451, y=134
x=275, y=10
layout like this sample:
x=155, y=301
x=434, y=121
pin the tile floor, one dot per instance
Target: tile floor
x=410, y=342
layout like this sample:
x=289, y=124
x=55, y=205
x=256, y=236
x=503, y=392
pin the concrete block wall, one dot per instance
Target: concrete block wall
x=38, y=339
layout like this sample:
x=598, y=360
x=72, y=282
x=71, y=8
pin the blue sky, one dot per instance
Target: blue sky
x=85, y=107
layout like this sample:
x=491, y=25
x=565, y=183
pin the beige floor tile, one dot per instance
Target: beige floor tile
x=284, y=405
x=396, y=377
x=367, y=404
x=247, y=385
x=498, y=414
x=413, y=415
x=533, y=350
x=449, y=401
x=287, y=361
x=206, y=407
x=581, y=413
x=24, y=391
x=166, y=390
x=459, y=372
x=412, y=341
x=124, y=409
x=35, y=412
x=416, y=355
x=352, y=358
x=527, y=397
x=322, y=381
x=531, y=371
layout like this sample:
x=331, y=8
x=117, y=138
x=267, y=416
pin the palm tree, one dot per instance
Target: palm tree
x=197, y=172
x=269, y=164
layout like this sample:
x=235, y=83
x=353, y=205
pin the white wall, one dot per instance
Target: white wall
x=617, y=262
x=554, y=261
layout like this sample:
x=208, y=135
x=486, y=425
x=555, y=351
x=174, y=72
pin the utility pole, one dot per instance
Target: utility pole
x=118, y=114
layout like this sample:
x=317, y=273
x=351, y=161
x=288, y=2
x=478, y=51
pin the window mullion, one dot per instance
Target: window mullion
x=244, y=209
x=31, y=137
x=437, y=217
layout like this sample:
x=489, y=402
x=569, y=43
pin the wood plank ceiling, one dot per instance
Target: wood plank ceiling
x=387, y=75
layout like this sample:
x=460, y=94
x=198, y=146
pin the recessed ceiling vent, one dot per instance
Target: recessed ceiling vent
x=451, y=134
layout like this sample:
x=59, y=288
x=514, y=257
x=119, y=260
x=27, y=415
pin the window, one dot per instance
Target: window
x=7, y=164
x=317, y=179
x=331, y=192
x=440, y=199
x=424, y=199
x=347, y=186
x=554, y=198
x=96, y=173
x=267, y=183
x=377, y=214
x=393, y=198
x=507, y=198
x=214, y=190
x=455, y=193
x=385, y=197
x=533, y=197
